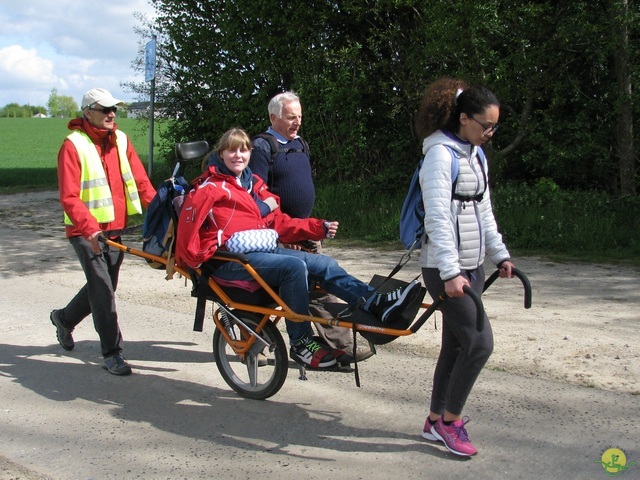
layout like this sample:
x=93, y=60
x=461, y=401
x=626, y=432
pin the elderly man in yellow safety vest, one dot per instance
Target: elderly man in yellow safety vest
x=102, y=182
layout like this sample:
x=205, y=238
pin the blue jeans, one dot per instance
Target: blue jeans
x=289, y=273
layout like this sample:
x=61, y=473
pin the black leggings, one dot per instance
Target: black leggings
x=464, y=350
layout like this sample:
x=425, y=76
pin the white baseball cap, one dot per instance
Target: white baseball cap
x=100, y=96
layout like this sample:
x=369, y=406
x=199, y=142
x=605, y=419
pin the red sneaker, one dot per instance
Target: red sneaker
x=454, y=437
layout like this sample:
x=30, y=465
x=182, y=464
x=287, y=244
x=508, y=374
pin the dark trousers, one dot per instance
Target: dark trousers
x=464, y=350
x=97, y=296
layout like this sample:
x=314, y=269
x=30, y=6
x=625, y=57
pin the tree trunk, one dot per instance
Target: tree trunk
x=624, y=132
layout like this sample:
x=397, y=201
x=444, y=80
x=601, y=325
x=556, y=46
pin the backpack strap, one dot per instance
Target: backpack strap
x=454, y=175
x=273, y=145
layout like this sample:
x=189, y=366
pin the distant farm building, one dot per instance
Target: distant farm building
x=138, y=110
x=141, y=110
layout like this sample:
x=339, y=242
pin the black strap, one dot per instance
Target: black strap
x=200, y=291
x=355, y=356
x=469, y=198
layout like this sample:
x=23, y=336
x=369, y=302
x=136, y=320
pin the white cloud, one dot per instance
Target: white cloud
x=68, y=45
x=20, y=66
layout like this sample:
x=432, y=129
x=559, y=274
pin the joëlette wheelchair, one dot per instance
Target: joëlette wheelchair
x=248, y=347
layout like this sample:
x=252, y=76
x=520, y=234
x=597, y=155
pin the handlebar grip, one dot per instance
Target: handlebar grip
x=479, y=307
x=521, y=276
x=527, y=287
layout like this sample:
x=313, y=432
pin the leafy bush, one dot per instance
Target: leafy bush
x=543, y=217
x=533, y=219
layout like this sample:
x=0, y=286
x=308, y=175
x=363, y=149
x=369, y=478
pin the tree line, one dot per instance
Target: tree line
x=57, y=106
x=14, y=110
x=563, y=71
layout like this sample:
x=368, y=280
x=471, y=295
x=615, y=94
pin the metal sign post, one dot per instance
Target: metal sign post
x=150, y=76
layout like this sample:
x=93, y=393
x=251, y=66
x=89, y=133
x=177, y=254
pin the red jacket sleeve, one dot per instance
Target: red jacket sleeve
x=290, y=230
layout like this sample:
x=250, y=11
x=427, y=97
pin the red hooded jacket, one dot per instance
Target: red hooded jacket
x=218, y=206
x=69, y=180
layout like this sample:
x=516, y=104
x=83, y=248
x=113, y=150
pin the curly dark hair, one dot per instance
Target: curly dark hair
x=441, y=105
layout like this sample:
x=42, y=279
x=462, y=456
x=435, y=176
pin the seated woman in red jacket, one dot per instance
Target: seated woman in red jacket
x=228, y=206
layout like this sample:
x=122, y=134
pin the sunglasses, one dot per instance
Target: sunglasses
x=105, y=110
x=488, y=129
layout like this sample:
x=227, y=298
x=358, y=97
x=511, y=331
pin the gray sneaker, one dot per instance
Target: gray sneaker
x=64, y=334
x=364, y=351
x=117, y=365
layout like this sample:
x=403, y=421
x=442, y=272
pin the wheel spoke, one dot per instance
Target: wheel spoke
x=252, y=370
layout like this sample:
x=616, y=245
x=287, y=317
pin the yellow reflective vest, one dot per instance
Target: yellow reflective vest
x=94, y=187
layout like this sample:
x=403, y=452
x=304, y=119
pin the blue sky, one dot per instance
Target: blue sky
x=69, y=45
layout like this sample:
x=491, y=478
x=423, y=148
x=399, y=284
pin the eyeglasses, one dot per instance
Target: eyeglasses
x=105, y=110
x=488, y=129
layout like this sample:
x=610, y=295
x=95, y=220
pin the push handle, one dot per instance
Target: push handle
x=479, y=307
x=523, y=278
x=441, y=298
x=186, y=151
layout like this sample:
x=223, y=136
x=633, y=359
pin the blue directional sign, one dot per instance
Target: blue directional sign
x=150, y=61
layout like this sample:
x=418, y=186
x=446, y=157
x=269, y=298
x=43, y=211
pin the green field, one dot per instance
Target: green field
x=29, y=149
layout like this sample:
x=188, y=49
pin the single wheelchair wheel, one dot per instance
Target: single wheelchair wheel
x=262, y=370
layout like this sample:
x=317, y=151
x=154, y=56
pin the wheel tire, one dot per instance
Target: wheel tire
x=245, y=377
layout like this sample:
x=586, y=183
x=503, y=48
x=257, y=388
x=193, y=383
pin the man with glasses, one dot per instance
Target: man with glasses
x=101, y=181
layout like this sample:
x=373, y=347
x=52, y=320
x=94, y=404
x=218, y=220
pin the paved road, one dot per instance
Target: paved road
x=66, y=418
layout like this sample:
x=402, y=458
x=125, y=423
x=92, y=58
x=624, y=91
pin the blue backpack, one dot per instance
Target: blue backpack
x=412, y=213
x=161, y=220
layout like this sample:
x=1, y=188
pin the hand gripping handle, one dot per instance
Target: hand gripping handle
x=441, y=298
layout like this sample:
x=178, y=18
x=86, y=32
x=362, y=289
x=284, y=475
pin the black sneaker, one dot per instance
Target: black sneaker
x=117, y=365
x=388, y=306
x=311, y=352
x=64, y=334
